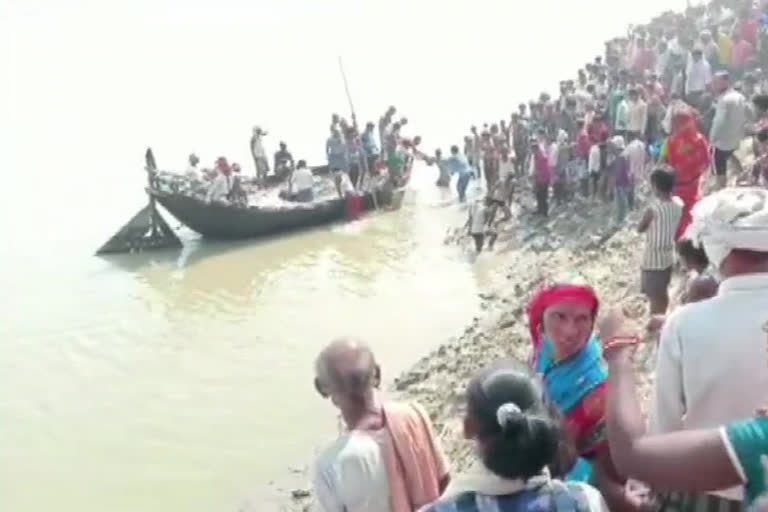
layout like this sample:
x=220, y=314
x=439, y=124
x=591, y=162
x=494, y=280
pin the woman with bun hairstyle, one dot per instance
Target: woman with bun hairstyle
x=567, y=355
x=515, y=439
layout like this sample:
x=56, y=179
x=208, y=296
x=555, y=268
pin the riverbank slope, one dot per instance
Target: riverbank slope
x=580, y=239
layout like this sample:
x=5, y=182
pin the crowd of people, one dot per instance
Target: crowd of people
x=377, y=151
x=674, y=92
x=353, y=158
x=565, y=430
x=225, y=182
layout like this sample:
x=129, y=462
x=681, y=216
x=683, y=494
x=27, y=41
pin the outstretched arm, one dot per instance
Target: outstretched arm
x=695, y=460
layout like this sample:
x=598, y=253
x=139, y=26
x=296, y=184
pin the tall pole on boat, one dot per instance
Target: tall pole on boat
x=349, y=96
x=363, y=162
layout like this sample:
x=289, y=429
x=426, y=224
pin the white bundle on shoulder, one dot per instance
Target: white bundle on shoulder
x=732, y=218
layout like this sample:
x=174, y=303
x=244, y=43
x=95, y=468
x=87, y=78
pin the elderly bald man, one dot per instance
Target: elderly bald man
x=388, y=458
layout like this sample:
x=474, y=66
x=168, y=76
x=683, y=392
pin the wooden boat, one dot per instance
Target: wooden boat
x=182, y=198
x=229, y=222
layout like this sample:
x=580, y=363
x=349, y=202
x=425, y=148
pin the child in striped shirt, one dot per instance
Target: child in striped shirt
x=659, y=223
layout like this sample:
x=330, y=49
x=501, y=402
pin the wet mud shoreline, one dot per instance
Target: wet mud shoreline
x=578, y=239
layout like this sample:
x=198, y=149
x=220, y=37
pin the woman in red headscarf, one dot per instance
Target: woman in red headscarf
x=687, y=152
x=567, y=354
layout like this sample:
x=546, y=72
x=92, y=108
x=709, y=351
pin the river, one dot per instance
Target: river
x=185, y=377
x=182, y=381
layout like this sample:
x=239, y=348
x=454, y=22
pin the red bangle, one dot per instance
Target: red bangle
x=621, y=341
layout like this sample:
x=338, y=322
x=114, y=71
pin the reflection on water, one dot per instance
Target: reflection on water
x=181, y=380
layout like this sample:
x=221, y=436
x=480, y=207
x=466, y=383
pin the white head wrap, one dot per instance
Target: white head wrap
x=506, y=413
x=733, y=218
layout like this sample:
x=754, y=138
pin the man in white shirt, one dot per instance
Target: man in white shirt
x=698, y=76
x=583, y=97
x=712, y=366
x=678, y=47
x=259, y=155
x=636, y=156
x=727, y=126
x=662, y=58
x=552, y=151
x=601, y=87
x=637, y=114
x=221, y=188
x=193, y=172
x=594, y=168
x=303, y=183
x=622, y=116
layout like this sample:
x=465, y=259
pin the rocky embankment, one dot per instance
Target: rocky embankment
x=579, y=239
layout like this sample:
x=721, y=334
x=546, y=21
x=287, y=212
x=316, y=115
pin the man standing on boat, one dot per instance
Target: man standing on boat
x=384, y=123
x=370, y=147
x=259, y=155
x=336, y=151
x=338, y=162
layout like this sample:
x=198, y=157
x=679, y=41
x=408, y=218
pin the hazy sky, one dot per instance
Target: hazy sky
x=154, y=70
x=87, y=85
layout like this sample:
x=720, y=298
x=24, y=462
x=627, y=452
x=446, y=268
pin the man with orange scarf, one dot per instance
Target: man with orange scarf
x=389, y=458
x=687, y=152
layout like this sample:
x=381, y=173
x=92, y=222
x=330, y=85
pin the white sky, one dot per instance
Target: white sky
x=87, y=85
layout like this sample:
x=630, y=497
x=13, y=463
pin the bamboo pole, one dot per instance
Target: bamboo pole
x=363, y=160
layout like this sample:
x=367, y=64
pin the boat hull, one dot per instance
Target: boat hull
x=225, y=222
